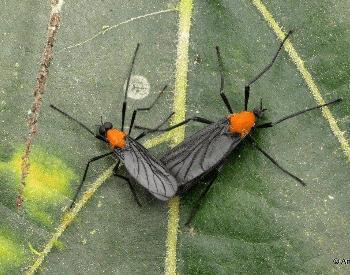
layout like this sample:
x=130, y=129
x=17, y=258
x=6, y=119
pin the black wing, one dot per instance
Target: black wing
x=201, y=152
x=147, y=170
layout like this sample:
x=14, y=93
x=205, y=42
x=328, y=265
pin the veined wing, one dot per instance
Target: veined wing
x=201, y=152
x=147, y=170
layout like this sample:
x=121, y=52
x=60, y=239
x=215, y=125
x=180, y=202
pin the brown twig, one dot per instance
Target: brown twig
x=46, y=59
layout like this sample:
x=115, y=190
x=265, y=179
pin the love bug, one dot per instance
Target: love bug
x=140, y=163
x=207, y=150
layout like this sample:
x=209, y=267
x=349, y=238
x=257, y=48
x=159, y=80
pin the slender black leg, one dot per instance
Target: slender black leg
x=222, y=94
x=271, y=124
x=81, y=124
x=123, y=115
x=127, y=85
x=198, y=119
x=115, y=173
x=160, y=125
x=247, y=88
x=273, y=60
x=246, y=97
x=86, y=170
x=252, y=142
x=193, y=211
x=144, y=109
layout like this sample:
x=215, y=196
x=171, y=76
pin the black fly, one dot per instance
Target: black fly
x=141, y=164
x=208, y=149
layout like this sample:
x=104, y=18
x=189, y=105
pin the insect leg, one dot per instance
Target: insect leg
x=252, y=142
x=222, y=94
x=127, y=85
x=247, y=88
x=144, y=109
x=193, y=211
x=199, y=119
x=86, y=170
x=155, y=129
x=115, y=173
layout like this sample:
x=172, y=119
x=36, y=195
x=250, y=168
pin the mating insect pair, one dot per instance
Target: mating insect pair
x=189, y=162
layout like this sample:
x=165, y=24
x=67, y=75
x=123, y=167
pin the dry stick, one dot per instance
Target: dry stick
x=47, y=56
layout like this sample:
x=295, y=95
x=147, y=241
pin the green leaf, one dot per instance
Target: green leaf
x=255, y=219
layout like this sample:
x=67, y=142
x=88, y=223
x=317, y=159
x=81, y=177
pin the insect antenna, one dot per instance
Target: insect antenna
x=81, y=124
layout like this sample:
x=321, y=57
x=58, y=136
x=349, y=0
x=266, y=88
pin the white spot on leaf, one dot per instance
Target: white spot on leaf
x=138, y=87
